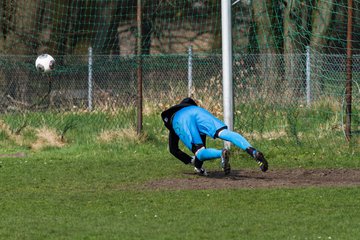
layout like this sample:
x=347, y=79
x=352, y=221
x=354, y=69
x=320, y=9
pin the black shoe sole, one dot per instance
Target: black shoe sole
x=263, y=164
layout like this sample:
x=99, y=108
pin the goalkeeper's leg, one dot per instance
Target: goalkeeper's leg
x=239, y=141
x=204, y=154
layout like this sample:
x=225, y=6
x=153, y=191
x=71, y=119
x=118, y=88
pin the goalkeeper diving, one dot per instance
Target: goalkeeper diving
x=191, y=124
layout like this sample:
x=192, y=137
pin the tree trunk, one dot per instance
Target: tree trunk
x=268, y=58
x=295, y=17
x=107, y=20
x=17, y=22
x=321, y=19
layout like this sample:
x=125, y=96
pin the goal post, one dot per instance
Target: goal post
x=228, y=98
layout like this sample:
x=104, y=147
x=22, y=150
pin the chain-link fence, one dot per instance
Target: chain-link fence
x=297, y=86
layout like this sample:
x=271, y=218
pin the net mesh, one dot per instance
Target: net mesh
x=289, y=62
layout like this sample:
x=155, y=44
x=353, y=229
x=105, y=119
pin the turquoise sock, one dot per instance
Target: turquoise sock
x=208, y=153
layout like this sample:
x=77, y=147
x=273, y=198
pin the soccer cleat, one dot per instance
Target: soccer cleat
x=225, y=161
x=200, y=171
x=261, y=161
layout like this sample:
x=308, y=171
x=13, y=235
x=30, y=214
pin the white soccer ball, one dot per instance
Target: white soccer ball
x=45, y=63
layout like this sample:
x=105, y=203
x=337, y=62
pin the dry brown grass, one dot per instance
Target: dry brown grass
x=46, y=137
x=126, y=134
x=271, y=135
x=17, y=138
x=5, y=128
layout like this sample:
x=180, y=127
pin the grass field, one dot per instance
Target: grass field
x=92, y=186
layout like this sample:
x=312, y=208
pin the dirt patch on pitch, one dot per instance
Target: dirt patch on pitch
x=279, y=178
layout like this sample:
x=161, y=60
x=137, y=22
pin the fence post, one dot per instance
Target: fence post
x=90, y=80
x=349, y=63
x=190, y=59
x=308, y=77
x=139, y=38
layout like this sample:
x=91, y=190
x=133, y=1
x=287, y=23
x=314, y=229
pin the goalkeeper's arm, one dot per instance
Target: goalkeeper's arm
x=174, y=148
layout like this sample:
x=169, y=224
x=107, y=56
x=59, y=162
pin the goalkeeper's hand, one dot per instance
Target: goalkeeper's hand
x=193, y=160
x=196, y=162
